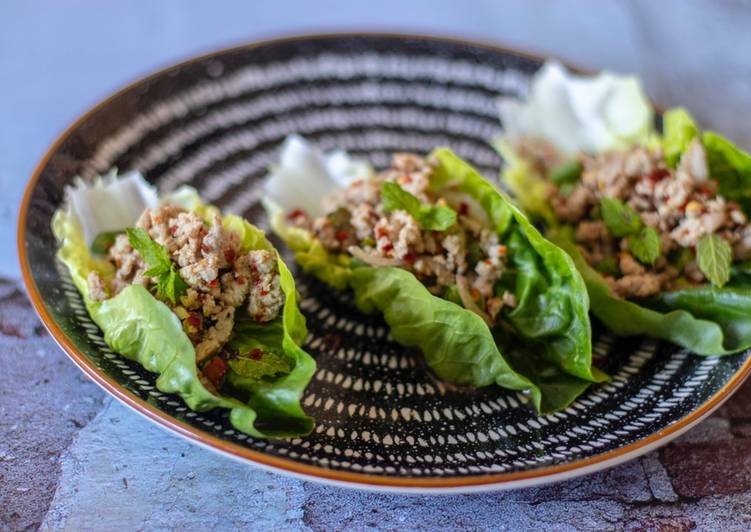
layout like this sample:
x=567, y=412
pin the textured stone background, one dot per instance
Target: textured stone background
x=72, y=459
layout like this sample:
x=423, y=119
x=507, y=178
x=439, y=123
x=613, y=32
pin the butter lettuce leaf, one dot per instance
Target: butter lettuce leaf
x=551, y=315
x=542, y=346
x=706, y=320
x=731, y=167
x=141, y=328
x=679, y=129
x=529, y=188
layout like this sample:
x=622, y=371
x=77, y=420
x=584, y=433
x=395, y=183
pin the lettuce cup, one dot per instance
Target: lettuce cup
x=455, y=269
x=656, y=223
x=199, y=298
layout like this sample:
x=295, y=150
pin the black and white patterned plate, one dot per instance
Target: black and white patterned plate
x=216, y=123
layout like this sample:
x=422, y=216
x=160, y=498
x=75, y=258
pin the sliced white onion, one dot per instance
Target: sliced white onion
x=463, y=287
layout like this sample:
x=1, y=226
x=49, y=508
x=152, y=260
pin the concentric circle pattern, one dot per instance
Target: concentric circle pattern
x=216, y=123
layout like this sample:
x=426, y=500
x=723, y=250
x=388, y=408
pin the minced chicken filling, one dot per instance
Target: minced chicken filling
x=220, y=278
x=680, y=203
x=466, y=255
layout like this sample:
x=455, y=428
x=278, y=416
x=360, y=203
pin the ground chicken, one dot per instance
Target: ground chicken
x=209, y=259
x=681, y=204
x=266, y=298
x=357, y=223
x=97, y=288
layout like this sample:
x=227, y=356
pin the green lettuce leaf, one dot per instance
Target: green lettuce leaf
x=141, y=328
x=550, y=320
x=679, y=129
x=530, y=189
x=551, y=315
x=705, y=320
x=457, y=344
x=731, y=167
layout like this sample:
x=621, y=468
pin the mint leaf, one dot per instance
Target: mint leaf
x=436, y=217
x=620, y=219
x=258, y=364
x=566, y=173
x=430, y=217
x=714, y=256
x=154, y=255
x=679, y=129
x=169, y=285
x=396, y=198
x=645, y=246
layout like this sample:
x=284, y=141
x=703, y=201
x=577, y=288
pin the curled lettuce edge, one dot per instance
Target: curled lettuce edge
x=552, y=303
x=705, y=320
x=143, y=329
x=458, y=346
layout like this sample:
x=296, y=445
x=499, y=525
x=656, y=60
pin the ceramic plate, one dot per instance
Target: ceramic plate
x=216, y=122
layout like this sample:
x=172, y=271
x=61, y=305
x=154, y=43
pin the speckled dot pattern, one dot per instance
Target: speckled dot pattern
x=217, y=123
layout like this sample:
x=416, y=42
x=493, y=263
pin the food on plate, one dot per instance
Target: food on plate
x=200, y=298
x=656, y=223
x=455, y=269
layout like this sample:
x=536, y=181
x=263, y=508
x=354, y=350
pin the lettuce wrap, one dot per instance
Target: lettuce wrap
x=542, y=345
x=263, y=399
x=708, y=317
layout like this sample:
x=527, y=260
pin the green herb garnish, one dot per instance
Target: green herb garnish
x=714, y=256
x=645, y=245
x=258, y=364
x=566, y=173
x=621, y=219
x=430, y=217
x=169, y=286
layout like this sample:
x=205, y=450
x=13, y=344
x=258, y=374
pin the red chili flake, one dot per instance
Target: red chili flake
x=295, y=213
x=658, y=174
x=381, y=232
x=194, y=320
x=488, y=261
x=240, y=280
x=409, y=258
x=705, y=189
x=388, y=247
x=341, y=236
x=205, y=248
x=173, y=230
x=256, y=354
x=213, y=284
x=463, y=208
x=229, y=255
x=215, y=371
x=264, y=293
